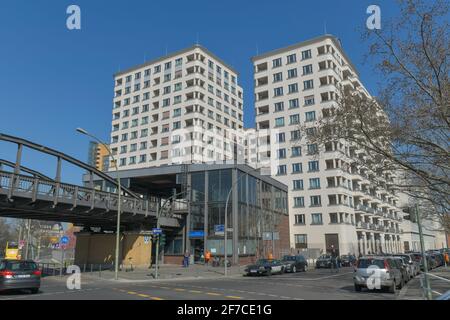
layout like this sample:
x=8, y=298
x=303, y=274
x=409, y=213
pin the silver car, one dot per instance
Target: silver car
x=377, y=273
x=413, y=266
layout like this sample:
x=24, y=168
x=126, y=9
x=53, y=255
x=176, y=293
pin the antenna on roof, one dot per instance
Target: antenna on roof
x=325, y=26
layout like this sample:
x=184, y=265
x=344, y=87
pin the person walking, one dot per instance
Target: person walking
x=186, y=259
x=446, y=258
x=334, y=259
x=207, y=257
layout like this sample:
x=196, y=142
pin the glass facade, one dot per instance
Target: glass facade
x=260, y=206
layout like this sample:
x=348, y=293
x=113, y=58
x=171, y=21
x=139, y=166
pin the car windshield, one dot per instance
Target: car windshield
x=19, y=266
x=345, y=257
x=289, y=258
x=324, y=257
x=365, y=263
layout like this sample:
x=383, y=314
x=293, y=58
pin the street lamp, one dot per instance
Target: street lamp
x=119, y=202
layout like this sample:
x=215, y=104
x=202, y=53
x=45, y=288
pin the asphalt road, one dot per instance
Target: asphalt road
x=314, y=284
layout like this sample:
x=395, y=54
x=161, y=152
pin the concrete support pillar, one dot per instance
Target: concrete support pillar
x=234, y=215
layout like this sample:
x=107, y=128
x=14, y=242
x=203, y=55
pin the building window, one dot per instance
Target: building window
x=297, y=184
x=292, y=88
x=132, y=160
x=316, y=201
x=299, y=219
x=292, y=73
x=293, y=104
x=281, y=170
x=276, y=63
x=279, y=106
x=306, y=55
x=307, y=69
x=295, y=135
x=297, y=168
x=142, y=158
x=312, y=149
x=294, y=119
x=309, y=100
x=308, y=84
x=277, y=77
x=316, y=218
x=310, y=116
x=296, y=151
x=314, y=183
x=333, y=218
x=281, y=153
x=299, y=202
x=281, y=137
x=279, y=122
x=301, y=241
x=291, y=58
x=278, y=91
x=313, y=166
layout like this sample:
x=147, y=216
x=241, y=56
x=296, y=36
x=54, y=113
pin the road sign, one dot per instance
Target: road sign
x=64, y=240
x=157, y=231
x=147, y=239
x=219, y=229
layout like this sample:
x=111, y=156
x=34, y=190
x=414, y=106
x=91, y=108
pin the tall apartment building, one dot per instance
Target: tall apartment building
x=98, y=156
x=172, y=107
x=332, y=201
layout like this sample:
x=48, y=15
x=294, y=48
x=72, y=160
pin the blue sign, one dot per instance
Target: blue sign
x=64, y=240
x=196, y=234
x=219, y=228
x=157, y=231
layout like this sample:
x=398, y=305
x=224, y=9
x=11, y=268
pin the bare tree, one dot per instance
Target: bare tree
x=405, y=128
x=5, y=234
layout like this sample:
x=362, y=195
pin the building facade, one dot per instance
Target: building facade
x=98, y=156
x=166, y=110
x=332, y=201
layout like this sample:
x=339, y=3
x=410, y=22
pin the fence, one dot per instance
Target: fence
x=58, y=269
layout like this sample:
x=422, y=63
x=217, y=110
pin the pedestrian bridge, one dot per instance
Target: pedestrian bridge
x=27, y=194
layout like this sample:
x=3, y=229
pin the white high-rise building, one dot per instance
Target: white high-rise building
x=332, y=201
x=166, y=110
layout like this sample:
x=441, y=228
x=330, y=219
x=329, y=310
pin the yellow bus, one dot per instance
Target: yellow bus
x=12, y=251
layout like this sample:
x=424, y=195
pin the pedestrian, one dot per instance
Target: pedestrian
x=334, y=259
x=207, y=257
x=446, y=258
x=186, y=259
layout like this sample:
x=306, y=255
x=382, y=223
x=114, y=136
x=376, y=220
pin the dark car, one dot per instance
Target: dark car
x=295, y=263
x=324, y=261
x=347, y=260
x=402, y=266
x=264, y=267
x=19, y=274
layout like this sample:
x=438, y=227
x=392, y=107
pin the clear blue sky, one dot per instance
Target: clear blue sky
x=53, y=80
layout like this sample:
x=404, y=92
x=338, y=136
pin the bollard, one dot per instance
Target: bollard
x=100, y=271
x=91, y=267
x=60, y=269
x=84, y=267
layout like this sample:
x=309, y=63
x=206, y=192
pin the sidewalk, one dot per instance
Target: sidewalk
x=168, y=272
x=413, y=290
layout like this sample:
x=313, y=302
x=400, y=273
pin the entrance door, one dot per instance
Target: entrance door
x=332, y=240
x=197, y=246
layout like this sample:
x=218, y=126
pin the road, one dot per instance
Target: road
x=314, y=284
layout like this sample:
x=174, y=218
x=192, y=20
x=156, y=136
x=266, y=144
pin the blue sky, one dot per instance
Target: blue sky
x=53, y=80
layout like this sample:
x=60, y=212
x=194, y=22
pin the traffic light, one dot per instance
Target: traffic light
x=162, y=240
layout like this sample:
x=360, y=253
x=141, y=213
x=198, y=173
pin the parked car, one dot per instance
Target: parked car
x=418, y=257
x=324, y=261
x=295, y=263
x=390, y=276
x=348, y=260
x=402, y=266
x=19, y=274
x=264, y=267
x=413, y=265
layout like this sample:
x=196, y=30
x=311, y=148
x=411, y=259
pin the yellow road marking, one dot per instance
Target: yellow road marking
x=132, y=292
x=156, y=298
x=195, y=291
x=143, y=295
x=179, y=289
x=213, y=294
x=233, y=297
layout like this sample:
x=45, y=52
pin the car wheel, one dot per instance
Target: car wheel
x=305, y=268
x=392, y=288
x=357, y=288
x=34, y=290
x=294, y=269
